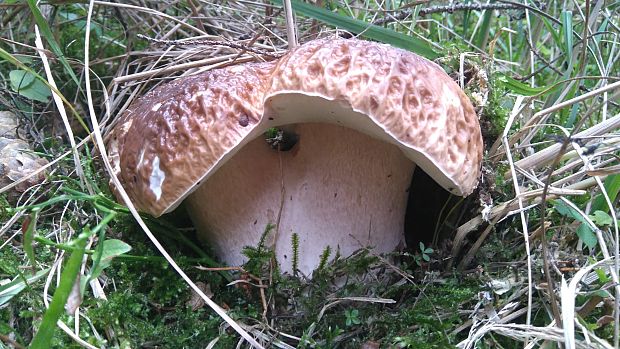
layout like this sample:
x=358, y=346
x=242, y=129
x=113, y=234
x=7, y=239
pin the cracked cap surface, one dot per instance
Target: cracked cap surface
x=412, y=99
x=176, y=135
x=170, y=138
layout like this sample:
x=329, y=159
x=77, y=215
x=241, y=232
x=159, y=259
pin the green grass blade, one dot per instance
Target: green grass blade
x=612, y=186
x=43, y=337
x=466, y=23
x=49, y=37
x=485, y=29
x=567, y=31
x=518, y=87
x=554, y=33
x=29, y=237
x=99, y=251
x=367, y=30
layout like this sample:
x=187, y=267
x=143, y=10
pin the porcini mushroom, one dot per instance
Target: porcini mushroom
x=363, y=116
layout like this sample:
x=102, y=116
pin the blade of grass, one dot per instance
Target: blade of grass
x=96, y=268
x=520, y=88
x=61, y=109
x=567, y=33
x=612, y=185
x=49, y=37
x=126, y=257
x=43, y=337
x=485, y=29
x=367, y=30
x=28, y=238
x=554, y=33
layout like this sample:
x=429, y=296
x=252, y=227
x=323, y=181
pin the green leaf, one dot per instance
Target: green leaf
x=43, y=337
x=601, y=218
x=20, y=79
x=13, y=288
x=520, y=88
x=484, y=30
x=367, y=30
x=585, y=233
x=106, y=249
x=568, y=211
x=111, y=248
x=27, y=85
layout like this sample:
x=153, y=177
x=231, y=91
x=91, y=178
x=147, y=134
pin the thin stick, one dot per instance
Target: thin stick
x=151, y=11
x=468, y=7
x=291, y=35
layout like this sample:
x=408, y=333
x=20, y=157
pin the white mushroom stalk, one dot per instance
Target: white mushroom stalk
x=364, y=115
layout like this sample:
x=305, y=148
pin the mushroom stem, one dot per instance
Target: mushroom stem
x=342, y=189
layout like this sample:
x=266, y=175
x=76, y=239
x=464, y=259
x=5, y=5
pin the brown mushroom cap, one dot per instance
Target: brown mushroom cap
x=176, y=134
x=395, y=96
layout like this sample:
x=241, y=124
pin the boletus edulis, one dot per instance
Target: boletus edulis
x=354, y=118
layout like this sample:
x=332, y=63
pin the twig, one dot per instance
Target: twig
x=449, y=9
x=539, y=56
x=468, y=7
x=543, y=237
x=291, y=34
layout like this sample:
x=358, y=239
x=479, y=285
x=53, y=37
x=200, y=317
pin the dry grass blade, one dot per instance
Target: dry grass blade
x=546, y=155
x=61, y=108
x=569, y=293
x=206, y=64
x=524, y=226
x=523, y=333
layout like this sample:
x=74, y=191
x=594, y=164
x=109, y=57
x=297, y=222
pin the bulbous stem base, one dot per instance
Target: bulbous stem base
x=336, y=187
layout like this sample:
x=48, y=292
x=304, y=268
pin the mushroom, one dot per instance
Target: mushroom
x=363, y=115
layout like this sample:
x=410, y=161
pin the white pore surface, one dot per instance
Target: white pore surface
x=342, y=189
